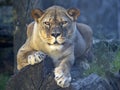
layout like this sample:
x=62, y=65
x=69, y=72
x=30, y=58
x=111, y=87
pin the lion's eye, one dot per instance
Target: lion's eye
x=64, y=22
x=46, y=23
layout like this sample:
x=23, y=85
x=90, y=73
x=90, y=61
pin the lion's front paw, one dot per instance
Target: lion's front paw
x=62, y=79
x=36, y=57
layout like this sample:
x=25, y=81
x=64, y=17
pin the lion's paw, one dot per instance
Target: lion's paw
x=62, y=79
x=36, y=57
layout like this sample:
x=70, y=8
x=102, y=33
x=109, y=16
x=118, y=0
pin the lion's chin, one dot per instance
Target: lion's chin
x=56, y=43
x=55, y=47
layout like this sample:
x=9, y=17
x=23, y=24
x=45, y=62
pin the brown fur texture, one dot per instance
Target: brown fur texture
x=56, y=33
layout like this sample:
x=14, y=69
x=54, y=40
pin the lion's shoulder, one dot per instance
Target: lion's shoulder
x=84, y=29
x=86, y=32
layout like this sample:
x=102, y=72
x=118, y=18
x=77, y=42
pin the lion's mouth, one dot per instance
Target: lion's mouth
x=56, y=43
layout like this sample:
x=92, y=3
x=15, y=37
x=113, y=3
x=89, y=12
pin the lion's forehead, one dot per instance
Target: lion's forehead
x=55, y=17
x=56, y=14
x=56, y=8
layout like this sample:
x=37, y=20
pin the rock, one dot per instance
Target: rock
x=41, y=77
x=113, y=79
x=32, y=78
x=92, y=82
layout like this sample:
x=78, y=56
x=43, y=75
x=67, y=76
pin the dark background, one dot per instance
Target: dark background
x=103, y=16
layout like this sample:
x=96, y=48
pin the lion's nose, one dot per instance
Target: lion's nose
x=55, y=34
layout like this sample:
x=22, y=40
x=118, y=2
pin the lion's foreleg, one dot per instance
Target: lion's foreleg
x=62, y=72
x=22, y=56
x=27, y=55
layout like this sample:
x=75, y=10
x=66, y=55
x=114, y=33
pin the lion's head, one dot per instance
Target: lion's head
x=55, y=24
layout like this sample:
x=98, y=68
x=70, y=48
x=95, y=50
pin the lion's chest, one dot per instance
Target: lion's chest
x=55, y=52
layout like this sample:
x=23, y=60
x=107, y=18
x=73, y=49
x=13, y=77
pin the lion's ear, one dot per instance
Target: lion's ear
x=73, y=12
x=36, y=13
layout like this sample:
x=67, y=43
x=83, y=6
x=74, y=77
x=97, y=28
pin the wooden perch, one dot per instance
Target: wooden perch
x=41, y=77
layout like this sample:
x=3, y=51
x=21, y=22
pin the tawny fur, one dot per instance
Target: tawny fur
x=77, y=40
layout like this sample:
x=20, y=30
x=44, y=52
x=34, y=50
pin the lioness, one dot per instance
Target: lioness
x=56, y=33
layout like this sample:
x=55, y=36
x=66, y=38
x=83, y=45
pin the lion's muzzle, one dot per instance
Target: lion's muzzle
x=55, y=34
x=55, y=31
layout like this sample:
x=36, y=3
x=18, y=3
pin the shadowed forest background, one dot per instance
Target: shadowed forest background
x=103, y=16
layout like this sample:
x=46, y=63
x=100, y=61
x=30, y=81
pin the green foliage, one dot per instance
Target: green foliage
x=105, y=59
x=3, y=80
x=95, y=68
x=115, y=65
